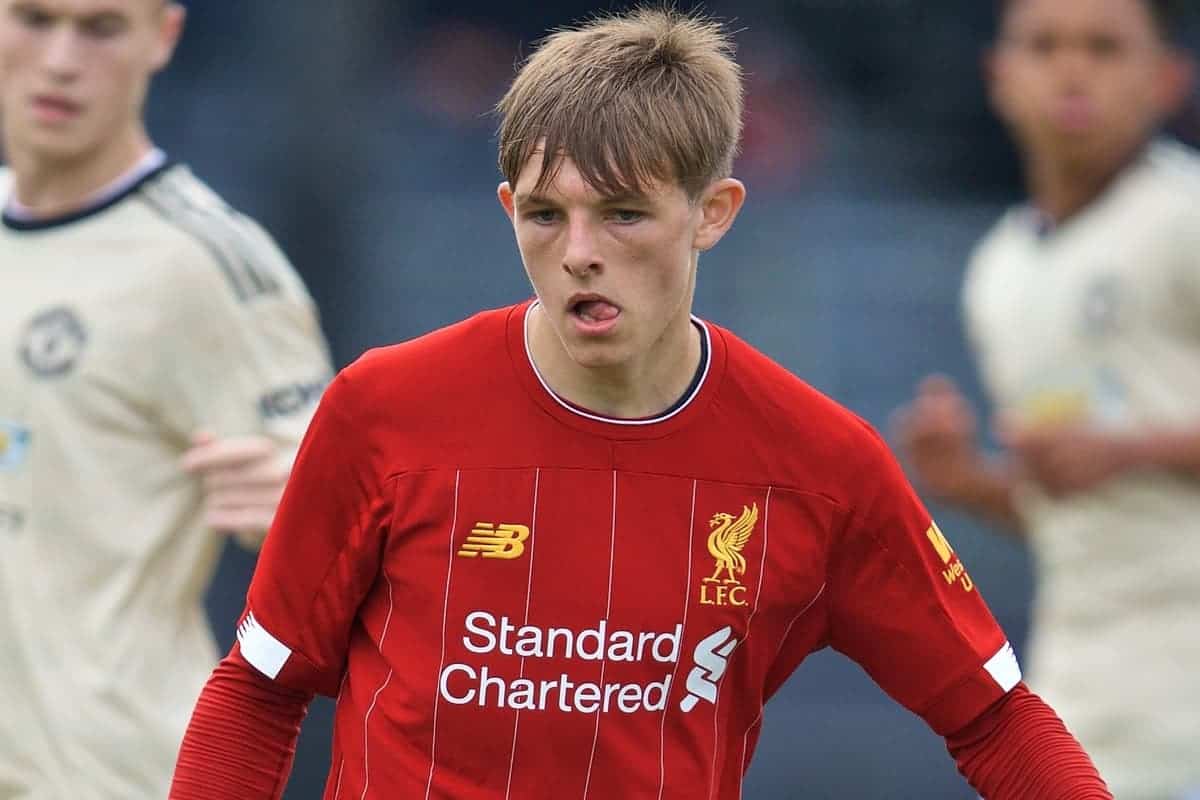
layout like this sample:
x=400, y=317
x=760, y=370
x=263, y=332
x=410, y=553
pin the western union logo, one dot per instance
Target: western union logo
x=495, y=541
x=939, y=542
x=954, y=572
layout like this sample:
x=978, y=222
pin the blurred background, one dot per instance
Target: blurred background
x=359, y=133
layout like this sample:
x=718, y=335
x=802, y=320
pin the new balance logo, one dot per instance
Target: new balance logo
x=711, y=657
x=495, y=541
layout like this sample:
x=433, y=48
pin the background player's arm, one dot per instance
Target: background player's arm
x=247, y=363
x=1066, y=459
x=903, y=607
x=938, y=435
x=319, y=562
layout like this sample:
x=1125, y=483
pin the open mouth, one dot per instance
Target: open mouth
x=593, y=313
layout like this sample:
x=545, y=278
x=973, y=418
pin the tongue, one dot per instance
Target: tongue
x=597, y=310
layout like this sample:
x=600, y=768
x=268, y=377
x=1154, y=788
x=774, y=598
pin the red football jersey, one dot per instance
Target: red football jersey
x=513, y=598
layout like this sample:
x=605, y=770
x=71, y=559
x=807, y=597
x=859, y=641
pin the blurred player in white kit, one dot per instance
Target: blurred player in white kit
x=159, y=362
x=1083, y=310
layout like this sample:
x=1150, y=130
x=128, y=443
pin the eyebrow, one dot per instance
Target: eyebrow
x=105, y=14
x=625, y=197
x=100, y=14
x=608, y=199
x=525, y=197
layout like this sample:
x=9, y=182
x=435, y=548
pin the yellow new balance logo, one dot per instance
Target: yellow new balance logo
x=495, y=541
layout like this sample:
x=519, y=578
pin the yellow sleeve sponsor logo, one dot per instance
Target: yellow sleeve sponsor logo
x=954, y=572
x=495, y=541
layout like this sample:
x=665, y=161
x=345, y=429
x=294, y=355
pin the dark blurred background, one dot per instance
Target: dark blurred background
x=359, y=133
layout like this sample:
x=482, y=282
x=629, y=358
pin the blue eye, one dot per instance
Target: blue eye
x=626, y=216
x=543, y=216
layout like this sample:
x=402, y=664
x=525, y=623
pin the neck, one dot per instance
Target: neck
x=51, y=187
x=1062, y=189
x=639, y=388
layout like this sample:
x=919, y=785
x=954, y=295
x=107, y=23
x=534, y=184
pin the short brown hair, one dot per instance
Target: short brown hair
x=650, y=95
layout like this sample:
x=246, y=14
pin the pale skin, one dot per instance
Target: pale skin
x=73, y=81
x=633, y=261
x=1082, y=85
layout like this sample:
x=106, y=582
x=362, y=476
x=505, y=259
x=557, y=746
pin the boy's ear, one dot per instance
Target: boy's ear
x=504, y=194
x=719, y=207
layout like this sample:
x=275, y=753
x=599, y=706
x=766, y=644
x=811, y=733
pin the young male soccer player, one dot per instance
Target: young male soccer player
x=159, y=361
x=570, y=548
x=1084, y=310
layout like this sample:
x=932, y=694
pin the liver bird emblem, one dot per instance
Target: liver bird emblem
x=726, y=542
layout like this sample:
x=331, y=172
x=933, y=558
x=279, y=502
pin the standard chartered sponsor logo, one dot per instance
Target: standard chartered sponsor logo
x=466, y=684
x=486, y=634
x=462, y=684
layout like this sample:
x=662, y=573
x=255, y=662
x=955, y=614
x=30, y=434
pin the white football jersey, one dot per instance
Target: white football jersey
x=124, y=329
x=1098, y=321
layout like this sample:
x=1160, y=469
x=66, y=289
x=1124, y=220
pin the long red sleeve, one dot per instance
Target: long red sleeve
x=1019, y=749
x=241, y=738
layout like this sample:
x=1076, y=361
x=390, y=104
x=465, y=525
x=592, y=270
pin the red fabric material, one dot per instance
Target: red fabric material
x=1019, y=749
x=239, y=705
x=603, y=649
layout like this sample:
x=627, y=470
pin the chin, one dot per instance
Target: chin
x=56, y=145
x=1089, y=150
x=597, y=355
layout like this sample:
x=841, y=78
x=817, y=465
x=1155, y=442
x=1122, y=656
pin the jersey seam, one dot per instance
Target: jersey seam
x=791, y=489
x=951, y=689
x=337, y=557
x=966, y=675
x=381, y=498
x=227, y=244
x=84, y=214
x=847, y=519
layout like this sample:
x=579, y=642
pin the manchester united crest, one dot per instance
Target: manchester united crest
x=52, y=342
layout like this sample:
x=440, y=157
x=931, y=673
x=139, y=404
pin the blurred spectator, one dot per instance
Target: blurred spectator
x=781, y=136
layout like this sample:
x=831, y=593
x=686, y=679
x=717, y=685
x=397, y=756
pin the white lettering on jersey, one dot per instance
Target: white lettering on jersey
x=486, y=634
x=711, y=656
x=463, y=684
